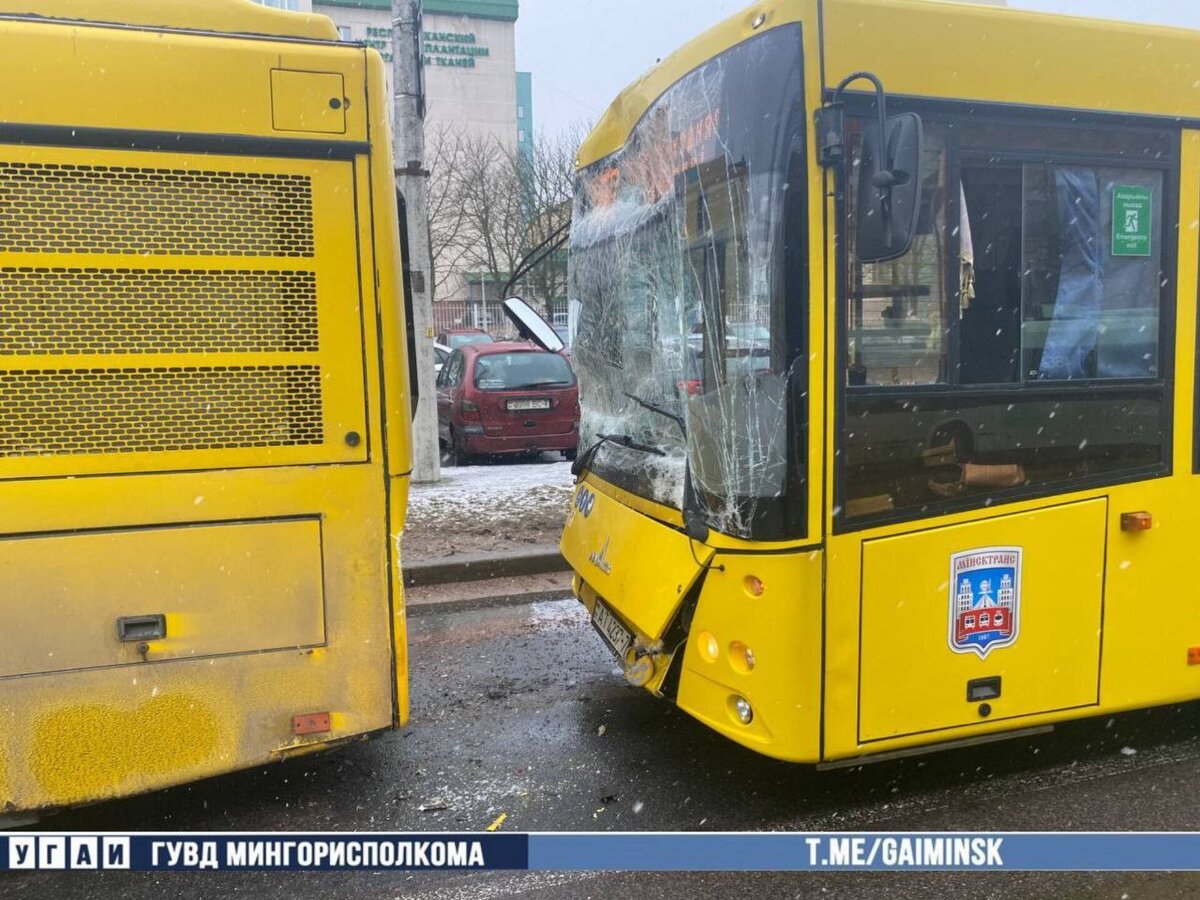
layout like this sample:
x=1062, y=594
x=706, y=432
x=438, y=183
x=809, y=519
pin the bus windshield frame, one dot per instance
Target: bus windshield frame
x=688, y=272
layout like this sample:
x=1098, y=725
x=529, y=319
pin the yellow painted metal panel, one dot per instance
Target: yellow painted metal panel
x=913, y=681
x=226, y=711
x=84, y=77
x=203, y=15
x=221, y=589
x=308, y=101
x=641, y=567
x=927, y=48
x=782, y=629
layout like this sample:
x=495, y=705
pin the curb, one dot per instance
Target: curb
x=435, y=607
x=479, y=566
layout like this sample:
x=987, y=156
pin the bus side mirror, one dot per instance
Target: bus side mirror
x=532, y=326
x=889, y=189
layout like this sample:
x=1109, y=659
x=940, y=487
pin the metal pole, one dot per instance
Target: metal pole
x=411, y=181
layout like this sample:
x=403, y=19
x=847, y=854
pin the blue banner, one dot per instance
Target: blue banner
x=868, y=851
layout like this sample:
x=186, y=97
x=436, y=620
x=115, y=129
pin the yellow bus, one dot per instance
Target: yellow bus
x=204, y=395
x=889, y=437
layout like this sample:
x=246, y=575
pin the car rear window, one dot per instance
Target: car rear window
x=522, y=370
x=461, y=340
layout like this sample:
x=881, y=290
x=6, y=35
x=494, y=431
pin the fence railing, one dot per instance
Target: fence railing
x=489, y=317
x=486, y=315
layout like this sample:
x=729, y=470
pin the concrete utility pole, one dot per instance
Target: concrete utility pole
x=411, y=179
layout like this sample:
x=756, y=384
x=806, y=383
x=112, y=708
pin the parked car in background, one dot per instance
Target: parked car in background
x=506, y=398
x=459, y=337
x=441, y=353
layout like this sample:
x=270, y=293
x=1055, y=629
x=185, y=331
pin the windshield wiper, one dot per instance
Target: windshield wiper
x=626, y=441
x=646, y=404
x=584, y=460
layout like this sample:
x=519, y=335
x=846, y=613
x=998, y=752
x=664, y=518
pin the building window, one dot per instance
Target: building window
x=520, y=112
x=520, y=135
x=344, y=33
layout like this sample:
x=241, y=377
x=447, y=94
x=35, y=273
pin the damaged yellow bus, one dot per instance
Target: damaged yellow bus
x=889, y=436
x=204, y=396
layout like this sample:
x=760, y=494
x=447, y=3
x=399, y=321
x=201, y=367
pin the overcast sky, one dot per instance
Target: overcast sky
x=582, y=52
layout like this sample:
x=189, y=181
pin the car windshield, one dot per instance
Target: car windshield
x=459, y=340
x=678, y=268
x=522, y=370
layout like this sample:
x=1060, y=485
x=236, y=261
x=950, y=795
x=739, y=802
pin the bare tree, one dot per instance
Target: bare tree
x=445, y=154
x=548, y=178
x=500, y=214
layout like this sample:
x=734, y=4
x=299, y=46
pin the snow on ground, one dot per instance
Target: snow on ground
x=517, y=486
x=479, y=509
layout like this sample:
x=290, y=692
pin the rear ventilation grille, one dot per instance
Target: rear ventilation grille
x=102, y=311
x=60, y=208
x=80, y=411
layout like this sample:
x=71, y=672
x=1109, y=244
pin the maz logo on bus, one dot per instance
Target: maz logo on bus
x=584, y=501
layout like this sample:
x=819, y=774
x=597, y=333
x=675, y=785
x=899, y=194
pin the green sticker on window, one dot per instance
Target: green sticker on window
x=1131, y=221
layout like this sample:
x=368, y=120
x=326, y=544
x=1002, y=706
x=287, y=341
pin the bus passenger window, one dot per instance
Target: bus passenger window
x=1018, y=343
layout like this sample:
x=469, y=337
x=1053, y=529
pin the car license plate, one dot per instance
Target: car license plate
x=540, y=403
x=615, y=634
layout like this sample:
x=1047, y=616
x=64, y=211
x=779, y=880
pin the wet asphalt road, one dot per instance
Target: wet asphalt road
x=519, y=710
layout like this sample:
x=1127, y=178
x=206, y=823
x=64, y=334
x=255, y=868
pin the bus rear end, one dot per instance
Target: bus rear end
x=199, y=279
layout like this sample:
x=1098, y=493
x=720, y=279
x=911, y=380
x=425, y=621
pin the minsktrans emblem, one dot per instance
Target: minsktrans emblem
x=985, y=599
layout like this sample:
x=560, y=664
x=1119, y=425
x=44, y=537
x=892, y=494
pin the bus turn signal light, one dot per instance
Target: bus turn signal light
x=311, y=723
x=1194, y=656
x=1136, y=521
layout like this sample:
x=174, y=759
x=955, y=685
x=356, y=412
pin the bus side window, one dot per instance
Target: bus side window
x=1020, y=341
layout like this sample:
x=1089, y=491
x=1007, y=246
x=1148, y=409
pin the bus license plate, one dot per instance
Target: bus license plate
x=615, y=634
x=541, y=403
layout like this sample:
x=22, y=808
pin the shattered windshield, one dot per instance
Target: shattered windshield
x=686, y=299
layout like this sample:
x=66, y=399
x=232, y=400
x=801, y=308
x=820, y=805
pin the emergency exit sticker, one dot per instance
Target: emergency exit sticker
x=1131, y=220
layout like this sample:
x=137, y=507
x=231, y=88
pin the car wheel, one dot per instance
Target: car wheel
x=455, y=454
x=569, y=455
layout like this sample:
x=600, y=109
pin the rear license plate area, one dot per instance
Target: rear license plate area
x=527, y=404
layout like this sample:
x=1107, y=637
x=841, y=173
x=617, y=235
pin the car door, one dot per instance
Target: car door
x=447, y=382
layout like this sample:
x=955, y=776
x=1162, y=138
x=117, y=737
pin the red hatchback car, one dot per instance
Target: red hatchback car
x=507, y=398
